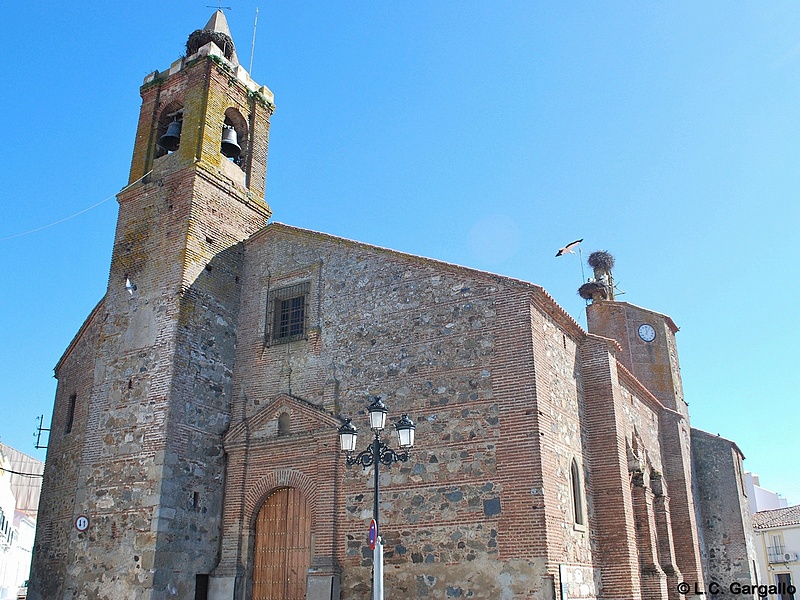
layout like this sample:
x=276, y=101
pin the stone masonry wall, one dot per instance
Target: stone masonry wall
x=54, y=526
x=468, y=515
x=119, y=469
x=728, y=549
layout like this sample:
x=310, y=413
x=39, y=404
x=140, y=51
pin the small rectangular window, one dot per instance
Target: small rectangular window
x=70, y=413
x=287, y=314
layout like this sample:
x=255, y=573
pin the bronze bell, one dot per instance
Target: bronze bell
x=230, y=142
x=172, y=138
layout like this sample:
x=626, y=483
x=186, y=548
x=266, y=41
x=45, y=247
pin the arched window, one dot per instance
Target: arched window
x=577, y=494
x=283, y=424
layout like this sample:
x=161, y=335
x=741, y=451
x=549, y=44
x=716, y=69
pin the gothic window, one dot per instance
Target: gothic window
x=287, y=313
x=577, y=494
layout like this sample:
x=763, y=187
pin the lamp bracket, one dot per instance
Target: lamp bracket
x=387, y=456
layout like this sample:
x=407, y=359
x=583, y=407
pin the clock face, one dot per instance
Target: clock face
x=647, y=332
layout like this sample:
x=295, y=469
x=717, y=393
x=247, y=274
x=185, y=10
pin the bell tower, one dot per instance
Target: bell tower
x=147, y=380
x=202, y=98
x=196, y=185
x=649, y=351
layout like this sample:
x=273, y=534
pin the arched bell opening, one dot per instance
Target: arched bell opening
x=233, y=142
x=168, y=129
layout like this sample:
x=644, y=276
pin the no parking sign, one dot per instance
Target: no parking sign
x=373, y=534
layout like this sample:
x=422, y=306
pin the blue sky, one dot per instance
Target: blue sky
x=486, y=134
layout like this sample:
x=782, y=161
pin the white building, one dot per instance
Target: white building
x=777, y=538
x=761, y=498
x=19, y=499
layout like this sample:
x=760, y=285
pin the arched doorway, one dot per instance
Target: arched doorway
x=282, y=547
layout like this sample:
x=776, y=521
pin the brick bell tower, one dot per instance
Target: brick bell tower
x=649, y=351
x=144, y=389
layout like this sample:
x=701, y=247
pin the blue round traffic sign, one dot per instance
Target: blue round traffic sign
x=82, y=523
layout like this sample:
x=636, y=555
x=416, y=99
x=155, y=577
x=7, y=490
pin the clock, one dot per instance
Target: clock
x=647, y=332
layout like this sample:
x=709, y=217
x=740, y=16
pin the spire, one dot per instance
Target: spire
x=218, y=23
x=217, y=31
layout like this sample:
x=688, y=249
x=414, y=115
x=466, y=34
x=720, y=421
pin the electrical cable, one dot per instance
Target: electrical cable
x=2, y=470
x=11, y=237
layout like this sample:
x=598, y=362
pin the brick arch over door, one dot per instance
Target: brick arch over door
x=264, y=486
x=282, y=552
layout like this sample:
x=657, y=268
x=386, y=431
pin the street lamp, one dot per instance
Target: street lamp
x=377, y=452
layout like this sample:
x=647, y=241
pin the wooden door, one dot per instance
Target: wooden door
x=283, y=547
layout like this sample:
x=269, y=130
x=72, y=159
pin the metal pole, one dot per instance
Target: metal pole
x=376, y=457
x=378, y=559
x=580, y=258
x=253, y=48
x=377, y=572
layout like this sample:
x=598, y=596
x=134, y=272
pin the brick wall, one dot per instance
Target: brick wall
x=655, y=366
x=613, y=516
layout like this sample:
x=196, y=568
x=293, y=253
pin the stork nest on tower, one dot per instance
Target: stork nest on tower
x=601, y=259
x=201, y=37
x=589, y=290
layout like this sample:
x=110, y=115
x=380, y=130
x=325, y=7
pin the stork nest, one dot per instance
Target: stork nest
x=588, y=290
x=602, y=259
x=201, y=37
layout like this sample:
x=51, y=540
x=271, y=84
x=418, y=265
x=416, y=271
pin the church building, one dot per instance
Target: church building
x=194, y=452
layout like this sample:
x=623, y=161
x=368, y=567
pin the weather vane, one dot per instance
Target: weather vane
x=219, y=6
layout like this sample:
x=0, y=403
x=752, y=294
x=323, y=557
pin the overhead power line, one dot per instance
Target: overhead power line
x=2, y=470
x=80, y=212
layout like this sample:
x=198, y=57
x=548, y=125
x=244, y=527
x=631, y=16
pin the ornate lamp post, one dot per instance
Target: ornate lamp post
x=377, y=452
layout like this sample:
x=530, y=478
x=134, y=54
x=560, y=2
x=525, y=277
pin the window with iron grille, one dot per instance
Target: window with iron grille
x=287, y=314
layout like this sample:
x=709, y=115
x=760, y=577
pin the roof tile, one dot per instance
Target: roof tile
x=779, y=517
